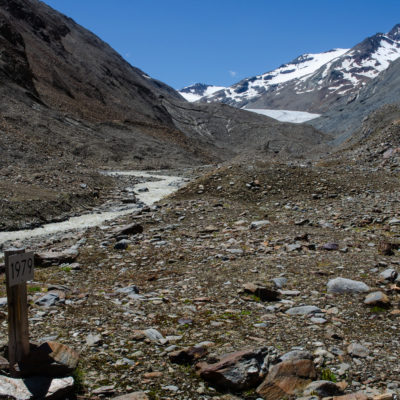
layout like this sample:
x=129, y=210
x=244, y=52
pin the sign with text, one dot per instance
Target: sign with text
x=20, y=268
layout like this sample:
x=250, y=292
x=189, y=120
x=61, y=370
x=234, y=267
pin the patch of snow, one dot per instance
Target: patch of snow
x=192, y=97
x=296, y=117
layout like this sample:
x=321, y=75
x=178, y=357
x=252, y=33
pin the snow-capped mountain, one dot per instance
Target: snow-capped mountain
x=198, y=90
x=313, y=82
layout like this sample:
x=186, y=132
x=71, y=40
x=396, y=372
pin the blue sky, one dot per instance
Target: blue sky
x=222, y=41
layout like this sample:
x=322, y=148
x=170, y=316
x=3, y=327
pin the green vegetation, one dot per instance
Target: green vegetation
x=79, y=379
x=328, y=375
x=34, y=289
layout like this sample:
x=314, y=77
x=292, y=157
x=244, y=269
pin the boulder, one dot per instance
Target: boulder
x=36, y=387
x=343, y=285
x=51, y=359
x=286, y=379
x=46, y=259
x=240, y=370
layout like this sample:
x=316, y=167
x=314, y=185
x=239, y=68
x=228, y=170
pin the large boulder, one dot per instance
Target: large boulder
x=50, y=359
x=343, y=285
x=240, y=370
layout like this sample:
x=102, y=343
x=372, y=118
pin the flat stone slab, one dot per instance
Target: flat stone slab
x=303, y=310
x=49, y=258
x=37, y=387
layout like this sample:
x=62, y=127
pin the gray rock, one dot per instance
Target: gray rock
x=128, y=290
x=279, y=282
x=3, y=301
x=293, y=247
x=330, y=246
x=35, y=388
x=343, y=285
x=303, y=310
x=316, y=320
x=358, y=350
x=172, y=388
x=389, y=275
x=48, y=300
x=377, y=299
x=93, y=340
x=259, y=224
x=153, y=335
x=296, y=355
x=394, y=221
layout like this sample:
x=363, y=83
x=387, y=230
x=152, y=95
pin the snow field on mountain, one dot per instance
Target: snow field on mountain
x=296, y=117
x=192, y=97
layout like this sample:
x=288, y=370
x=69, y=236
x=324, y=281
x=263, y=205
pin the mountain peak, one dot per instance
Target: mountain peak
x=395, y=32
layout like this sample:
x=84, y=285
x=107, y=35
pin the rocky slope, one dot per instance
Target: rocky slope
x=346, y=117
x=315, y=82
x=134, y=304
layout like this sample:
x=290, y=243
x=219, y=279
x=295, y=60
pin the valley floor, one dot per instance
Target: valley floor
x=199, y=247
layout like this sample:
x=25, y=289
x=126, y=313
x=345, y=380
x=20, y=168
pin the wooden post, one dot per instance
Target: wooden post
x=18, y=328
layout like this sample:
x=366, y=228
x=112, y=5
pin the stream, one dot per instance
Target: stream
x=156, y=190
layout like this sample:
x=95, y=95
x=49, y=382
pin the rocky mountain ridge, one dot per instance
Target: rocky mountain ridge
x=315, y=82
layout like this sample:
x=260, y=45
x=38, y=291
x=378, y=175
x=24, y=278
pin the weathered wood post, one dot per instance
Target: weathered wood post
x=19, y=269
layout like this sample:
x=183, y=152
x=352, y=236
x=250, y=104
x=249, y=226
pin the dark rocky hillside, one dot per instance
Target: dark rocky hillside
x=345, y=118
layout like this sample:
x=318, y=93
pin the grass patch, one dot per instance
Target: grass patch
x=328, y=375
x=34, y=289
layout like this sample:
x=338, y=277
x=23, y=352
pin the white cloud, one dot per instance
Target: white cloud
x=232, y=73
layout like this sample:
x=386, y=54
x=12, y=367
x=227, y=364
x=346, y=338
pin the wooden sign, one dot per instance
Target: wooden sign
x=20, y=268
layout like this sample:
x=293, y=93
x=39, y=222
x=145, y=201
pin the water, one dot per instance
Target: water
x=159, y=189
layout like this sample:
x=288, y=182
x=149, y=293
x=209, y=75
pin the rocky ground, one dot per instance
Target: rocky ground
x=224, y=265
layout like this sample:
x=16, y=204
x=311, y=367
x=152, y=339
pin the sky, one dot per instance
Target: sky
x=220, y=42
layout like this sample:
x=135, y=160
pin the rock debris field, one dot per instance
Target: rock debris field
x=255, y=281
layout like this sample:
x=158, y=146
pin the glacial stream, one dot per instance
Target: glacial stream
x=163, y=186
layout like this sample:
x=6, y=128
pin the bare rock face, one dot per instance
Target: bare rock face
x=286, y=379
x=240, y=370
